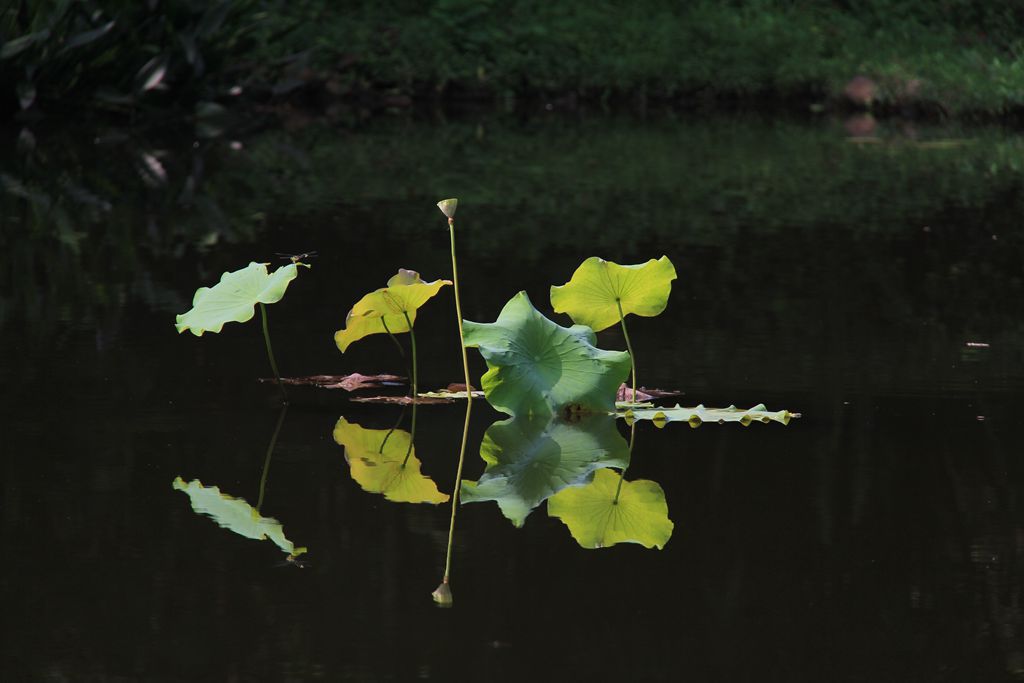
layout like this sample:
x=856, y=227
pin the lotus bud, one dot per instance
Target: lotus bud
x=447, y=207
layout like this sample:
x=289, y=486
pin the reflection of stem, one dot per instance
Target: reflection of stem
x=391, y=431
x=458, y=314
x=270, y=452
x=629, y=346
x=391, y=334
x=412, y=338
x=622, y=474
x=455, y=502
x=270, y=353
x=412, y=436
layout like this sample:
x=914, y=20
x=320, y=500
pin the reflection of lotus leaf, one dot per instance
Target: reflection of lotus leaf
x=536, y=367
x=531, y=459
x=598, y=287
x=235, y=514
x=698, y=415
x=597, y=520
x=384, y=461
x=388, y=306
x=234, y=298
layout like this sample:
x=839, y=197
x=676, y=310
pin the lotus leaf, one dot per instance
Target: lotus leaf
x=234, y=298
x=530, y=459
x=536, y=367
x=698, y=415
x=602, y=514
x=388, y=309
x=235, y=514
x=384, y=461
x=598, y=288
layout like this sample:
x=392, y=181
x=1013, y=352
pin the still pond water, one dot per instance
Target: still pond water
x=870, y=277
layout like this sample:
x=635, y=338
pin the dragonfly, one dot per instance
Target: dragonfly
x=297, y=258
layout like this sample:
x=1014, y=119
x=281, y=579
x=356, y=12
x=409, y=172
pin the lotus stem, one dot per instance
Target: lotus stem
x=629, y=347
x=412, y=436
x=415, y=377
x=622, y=474
x=458, y=311
x=270, y=453
x=270, y=354
x=443, y=593
x=398, y=344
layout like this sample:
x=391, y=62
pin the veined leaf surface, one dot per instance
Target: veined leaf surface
x=597, y=519
x=388, y=306
x=235, y=514
x=234, y=298
x=536, y=367
x=530, y=459
x=384, y=461
x=593, y=295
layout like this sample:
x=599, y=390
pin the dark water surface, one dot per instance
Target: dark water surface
x=876, y=286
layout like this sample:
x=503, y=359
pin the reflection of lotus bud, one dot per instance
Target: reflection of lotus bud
x=447, y=207
x=443, y=595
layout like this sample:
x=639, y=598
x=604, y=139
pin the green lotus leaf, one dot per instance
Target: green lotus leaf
x=388, y=306
x=384, y=461
x=698, y=415
x=536, y=367
x=234, y=298
x=235, y=514
x=530, y=459
x=597, y=518
x=596, y=290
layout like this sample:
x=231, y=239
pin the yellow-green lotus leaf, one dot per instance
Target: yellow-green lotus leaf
x=235, y=514
x=593, y=295
x=597, y=520
x=388, y=309
x=234, y=298
x=384, y=461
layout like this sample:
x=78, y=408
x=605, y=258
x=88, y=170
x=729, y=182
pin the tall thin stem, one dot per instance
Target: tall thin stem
x=629, y=347
x=443, y=593
x=415, y=377
x=622, y=474
x=412, y=435
x=270, y=453
x=458, y=313
x=398, y=344
x=270, y=353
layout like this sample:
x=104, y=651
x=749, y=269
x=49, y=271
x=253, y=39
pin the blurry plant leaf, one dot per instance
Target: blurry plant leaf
x=389, y=306
x=212, y=18
x=19, y=45
x=593, y=294
x=698, y=415
x=110, y=96
x=384, y=461
x=234, y=298
x=87, y=37
x=596, y=519
x=235, y=514
x=26, y=94
x=530, y=459
x=152, y=73
x=536, y=367
x=353, y=382
x=152, y=171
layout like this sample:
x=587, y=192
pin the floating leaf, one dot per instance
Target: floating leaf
x=353, y=382
x=601, y=514
x=593, y=295
x=384, y=461
x=235, y=514
x=698, y=415
x=536, y=367
x=234, y=298
x=531, y=459
x=388, y=306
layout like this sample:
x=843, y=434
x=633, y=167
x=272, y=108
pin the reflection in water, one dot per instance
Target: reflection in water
x=530, y=459
x=384, y=461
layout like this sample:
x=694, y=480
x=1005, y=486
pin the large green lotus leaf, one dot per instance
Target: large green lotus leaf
x=597, y=520
x=235, y=514
x=698, y=415
x=593, y=294
x=384, y=461
x=234, y=298
x=389, y=306
x=536, y=367
x=529, y=459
